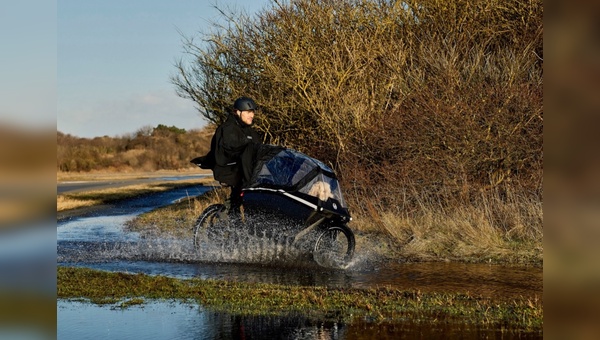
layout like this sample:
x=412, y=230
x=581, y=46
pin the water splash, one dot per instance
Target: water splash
x=257, y=243
x=102, y=239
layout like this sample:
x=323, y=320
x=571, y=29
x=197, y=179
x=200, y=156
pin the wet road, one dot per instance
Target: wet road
x=73, y=186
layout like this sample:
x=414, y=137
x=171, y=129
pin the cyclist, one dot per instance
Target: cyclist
x=234, y=146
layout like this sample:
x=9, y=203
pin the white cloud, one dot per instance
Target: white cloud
x=115, y=117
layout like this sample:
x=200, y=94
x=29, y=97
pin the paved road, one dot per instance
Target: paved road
x=74, y=186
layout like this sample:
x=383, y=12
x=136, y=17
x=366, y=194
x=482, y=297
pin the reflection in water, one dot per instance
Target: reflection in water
x=173, y=320
x=78, y=320
x=477, y=279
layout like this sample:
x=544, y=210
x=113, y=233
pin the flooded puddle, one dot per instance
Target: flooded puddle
x=174, y=320
x=98, y=240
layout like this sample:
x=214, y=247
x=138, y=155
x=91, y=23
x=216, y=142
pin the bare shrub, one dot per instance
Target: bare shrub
x=449, y=90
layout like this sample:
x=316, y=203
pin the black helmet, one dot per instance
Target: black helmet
x=244, y=104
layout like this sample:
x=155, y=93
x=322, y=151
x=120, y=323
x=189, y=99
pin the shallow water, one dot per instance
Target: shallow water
x=175, y=320
x=98, y=240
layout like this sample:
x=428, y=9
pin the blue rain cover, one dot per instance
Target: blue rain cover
x=281, y=168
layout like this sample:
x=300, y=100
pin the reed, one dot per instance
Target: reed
x=493, y=226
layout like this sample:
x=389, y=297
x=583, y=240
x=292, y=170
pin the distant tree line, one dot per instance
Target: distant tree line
x=148, y=149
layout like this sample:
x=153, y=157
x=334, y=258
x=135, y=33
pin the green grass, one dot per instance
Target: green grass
x=340, y=304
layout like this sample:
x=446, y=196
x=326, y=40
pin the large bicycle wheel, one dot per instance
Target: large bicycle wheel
x=334, y=246
x=205, y=224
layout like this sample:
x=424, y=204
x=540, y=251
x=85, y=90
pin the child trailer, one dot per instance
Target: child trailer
x=291, y=196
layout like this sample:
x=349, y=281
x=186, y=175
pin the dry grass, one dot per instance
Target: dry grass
x=176, y=219
x=74, y=200
x=67, y=202
x=494, y=227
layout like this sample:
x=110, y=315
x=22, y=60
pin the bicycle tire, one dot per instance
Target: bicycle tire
x=205, y=223
x=334, y=246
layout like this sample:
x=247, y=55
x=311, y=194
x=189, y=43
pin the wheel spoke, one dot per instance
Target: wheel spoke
x=334, y=246
x=204, y=229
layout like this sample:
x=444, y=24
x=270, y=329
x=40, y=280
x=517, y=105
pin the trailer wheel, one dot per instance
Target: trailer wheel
x=204, y=228
x=334, y=247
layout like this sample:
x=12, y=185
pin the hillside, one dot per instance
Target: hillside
x=148, y=149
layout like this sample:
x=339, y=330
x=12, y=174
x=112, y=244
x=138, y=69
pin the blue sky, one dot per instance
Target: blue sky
x=115, y=57
x=28, y=63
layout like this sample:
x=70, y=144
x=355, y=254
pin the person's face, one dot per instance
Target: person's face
x=247, y=116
